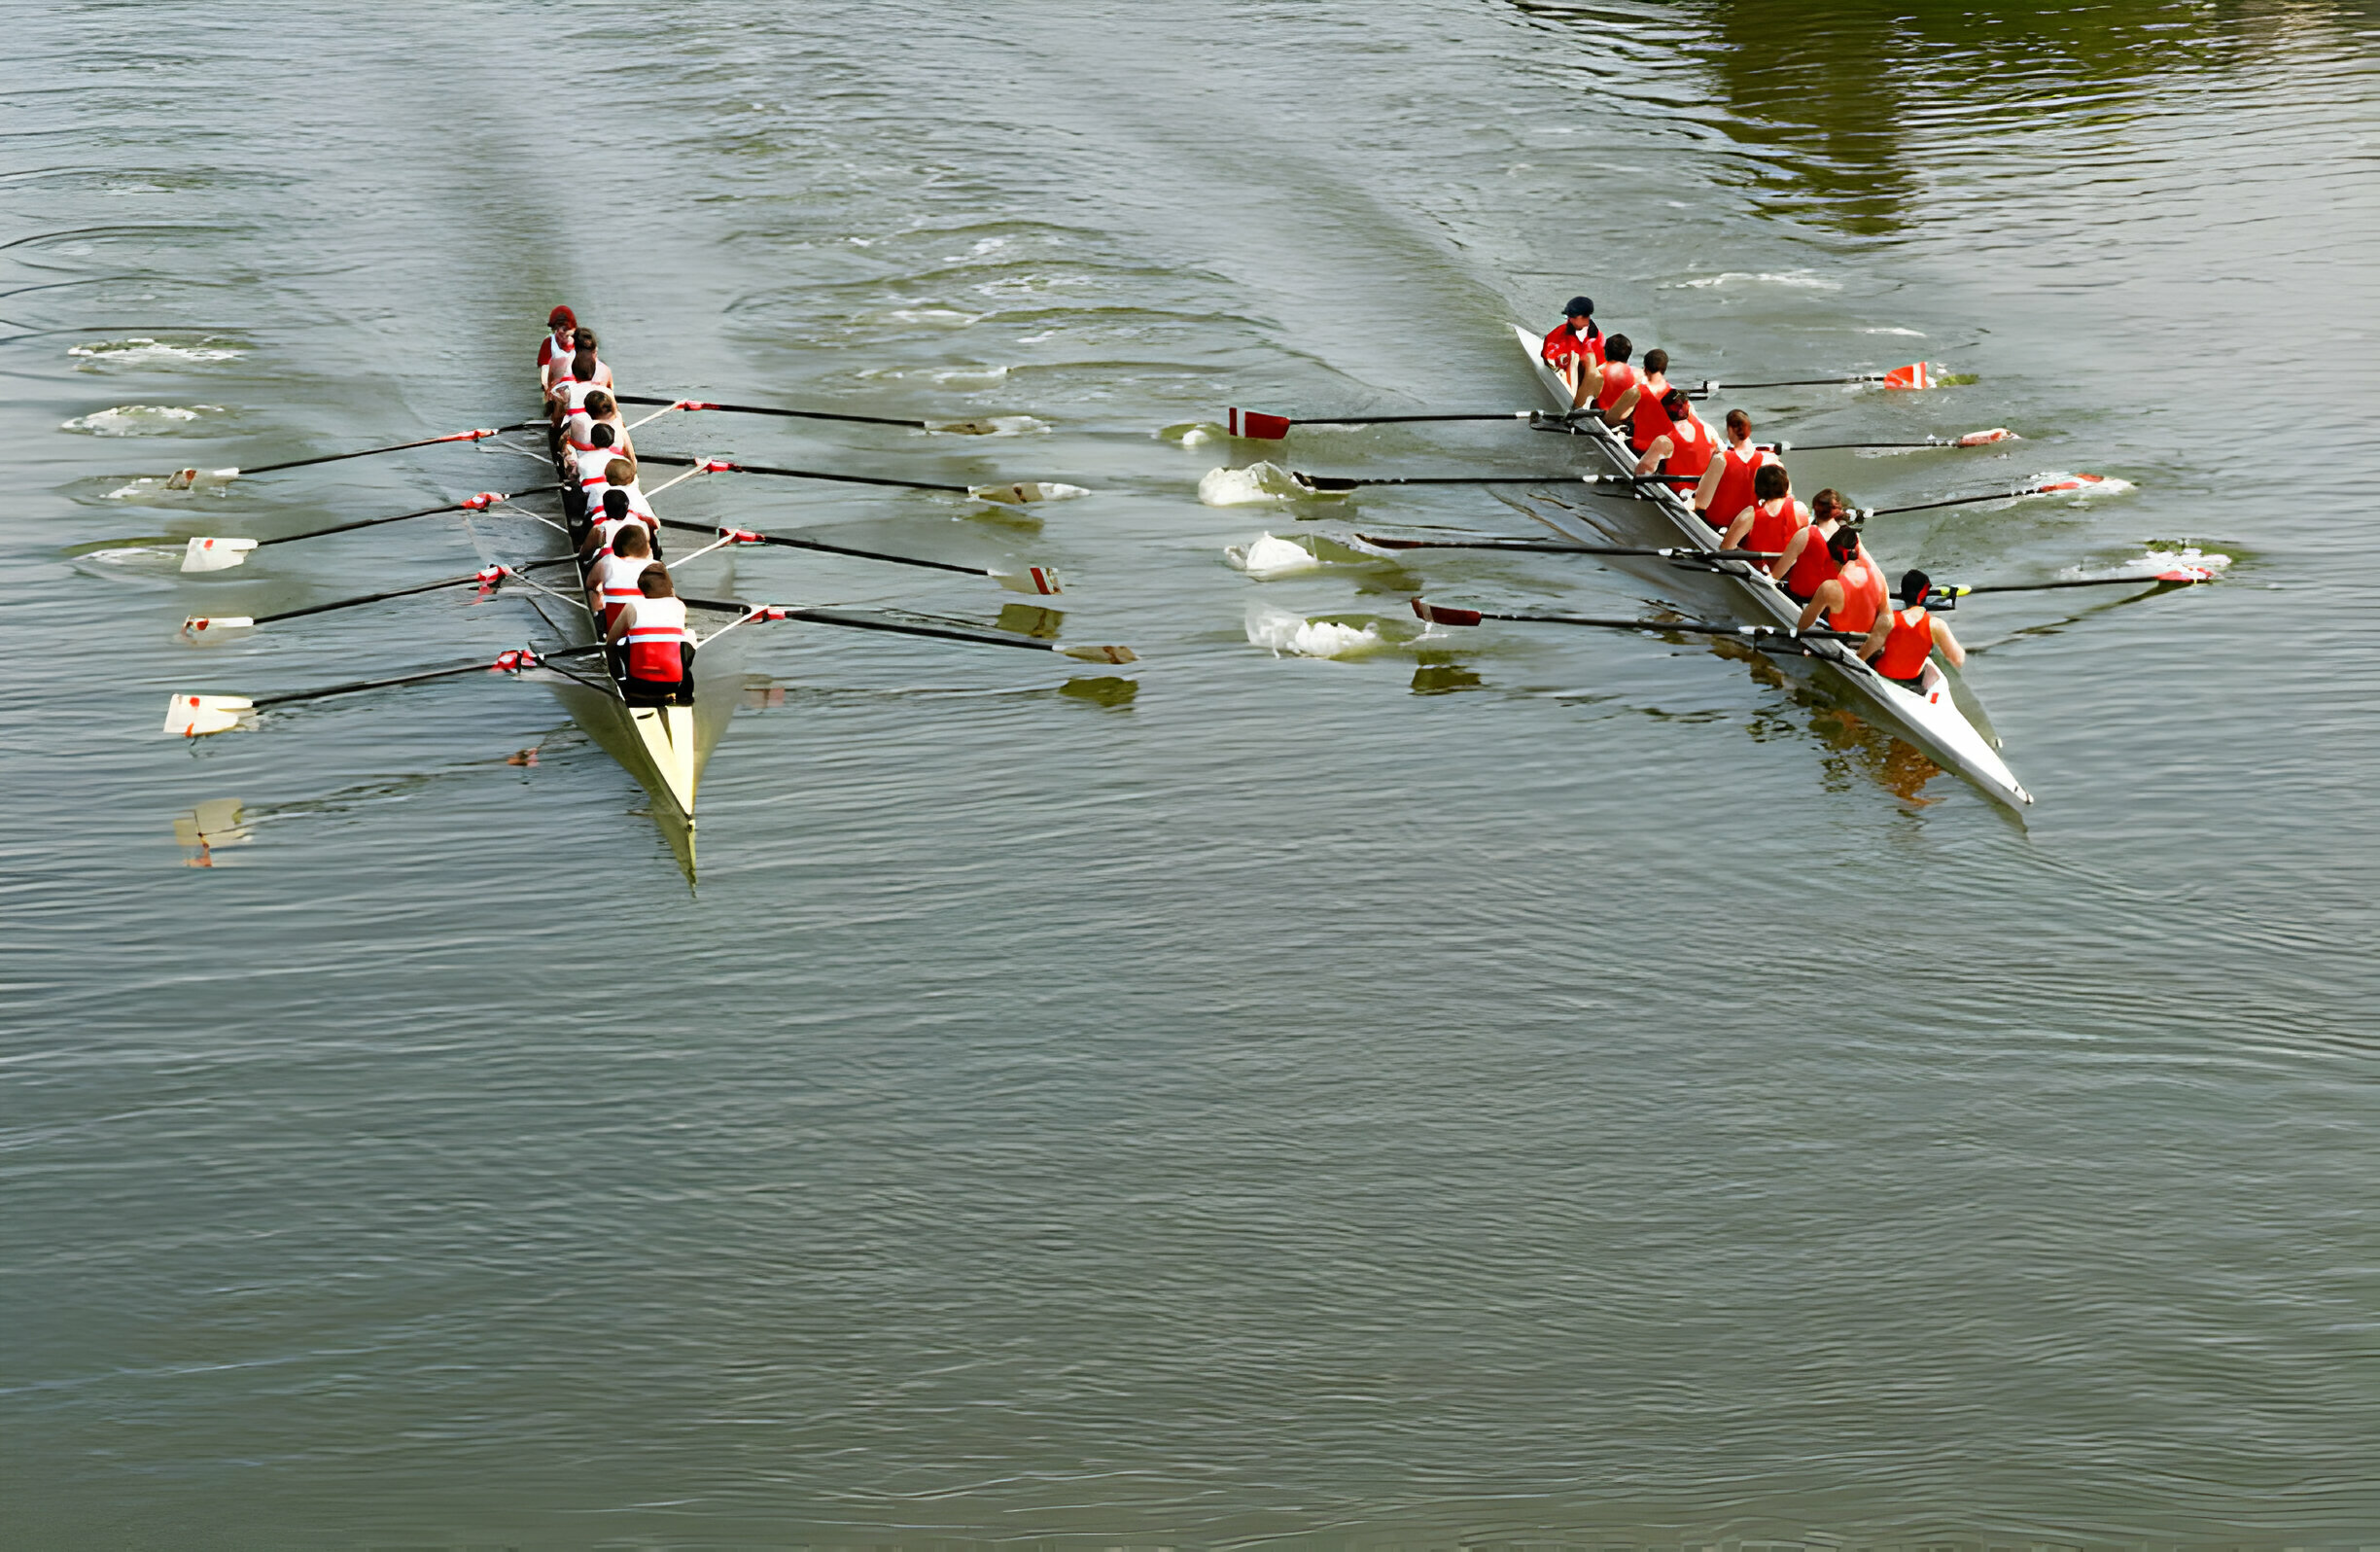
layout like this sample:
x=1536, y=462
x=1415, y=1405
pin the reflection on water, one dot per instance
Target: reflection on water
x=1110, y=690
x=1850, y=107
x=216, y=823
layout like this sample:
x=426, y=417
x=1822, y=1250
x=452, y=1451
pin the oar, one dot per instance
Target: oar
x=212, y=552
x=1017, y=495
x=1539, y=547
x=1338, y=483
x=1916, y=375
x=2058, y=486
x=964, y=428
x=207, y=625
x=185, y=478
x=1260, y=426
x=1041, y=579
x=194, y=716
x=1972, y=439
x=1442, y=614
x=952, y=630
x=2178, y=575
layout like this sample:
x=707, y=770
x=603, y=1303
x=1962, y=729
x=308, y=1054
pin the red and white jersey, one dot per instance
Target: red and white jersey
x=606, y=528
x=613, y=578
x=1564, y=348
x=656, y=629
x=557, y=346
x=591, y=462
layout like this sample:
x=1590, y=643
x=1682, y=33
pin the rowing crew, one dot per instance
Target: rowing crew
x=629, y=592
x=1816, y=557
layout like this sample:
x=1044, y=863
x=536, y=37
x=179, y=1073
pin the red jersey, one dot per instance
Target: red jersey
x=1734, y=491
x=1910, y=644
x=1618, y=378
x=1692, y=446
x=1813, y=568
x=1562, y=345
x=1648, y=420
x=1863, y=589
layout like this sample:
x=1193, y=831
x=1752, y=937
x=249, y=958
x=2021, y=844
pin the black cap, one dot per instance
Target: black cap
x=1913, y=585
x=1579, y=307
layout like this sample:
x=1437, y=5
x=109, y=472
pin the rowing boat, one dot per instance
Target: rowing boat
x=1929, y=717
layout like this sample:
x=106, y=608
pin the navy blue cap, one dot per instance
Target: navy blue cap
x=1580, y=306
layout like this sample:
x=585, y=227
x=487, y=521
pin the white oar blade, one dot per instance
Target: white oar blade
x=1042, y=579
x=1100, y=655
x=205, y=627
x=1978, y=438
x=1026, y=492
x=208, y=553
x=196, y=716
x=185, y=478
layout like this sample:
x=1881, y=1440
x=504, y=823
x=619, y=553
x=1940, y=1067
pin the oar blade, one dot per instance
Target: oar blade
x=1041, y=579
x=1256, y=424
x=215, y=627
x=1100, y=655
x=1978, y=438
x=1917, y=374
x=2184, y=574
x=1334, y=483
x=1026, y=492
x=197, y=716
x=185, y=478
x=1440, y=614
x=207, y=553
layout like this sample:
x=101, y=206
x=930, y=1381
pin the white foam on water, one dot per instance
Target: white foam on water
x=1267, y=558
x=2154, y=561
x=138, y=420
x=1792, y=277
x=146, y=352
x=990, y=426
x=1280, y=631
x=949, y=317
x=964, y=375
x=1909, y=333
x=2097, y=485
x=1189, y=433
x=1255, y=486
x=125, y=555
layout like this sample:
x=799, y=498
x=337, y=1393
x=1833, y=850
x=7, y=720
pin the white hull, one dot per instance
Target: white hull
x=1931, y=720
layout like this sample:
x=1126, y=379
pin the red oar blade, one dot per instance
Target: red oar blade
x=1256, y=424
x=1440, y=614
x=1978, y=438
x=1916, y=375
x=196, y=716
x=2185, y=574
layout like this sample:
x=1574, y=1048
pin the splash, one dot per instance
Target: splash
x=1269, y=557
x=138, y=420
x=990, y=426
x=1255, y=486
x=1190, y=432
x=2080, y=486
x=1279, y=631
x=1802, y=278
x=2154, y=561
x=146, y=352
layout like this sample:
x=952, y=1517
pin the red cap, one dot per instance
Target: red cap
x=561, y=316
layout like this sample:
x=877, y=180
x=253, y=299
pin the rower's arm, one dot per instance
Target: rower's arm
x=1947, y=644
x=1624, y=407
x=1708, y=490
x=620, y=626
x=1654, y=455
x=1877, y=635
x=1828, y=595
x=1736, y=530
x=1792, y=552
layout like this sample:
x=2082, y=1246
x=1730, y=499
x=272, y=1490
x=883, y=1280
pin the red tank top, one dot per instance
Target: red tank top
x=1734, y=491
x=1772, y=529
x=1691, y=449
x=1863, y=589
x=1910, y=644
x=1648, y=420
x=1813, y=568
x=1618, y=378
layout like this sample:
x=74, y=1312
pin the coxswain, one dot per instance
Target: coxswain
x=1682, y=453
x=612, y=582
x=1772, y=519
x=653, y=651
x=1803, y=565
x=556, y=348
x=1639, y=409
x=1853, y=597
x=1574, y=346
x=1727, y=484
x=1609, y=380
x=1900, y=641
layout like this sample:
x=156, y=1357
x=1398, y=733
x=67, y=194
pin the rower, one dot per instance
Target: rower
x=1727, y=484
x=1772, y=519
x=653, y=650
x=620, y=475
x=1805, y=564
x=587, y=406
x=1609, y=380
x=556, y=350
x=1854, y=596
x=608, y=517
x=1574, y=346
x=592, y=462
x=1683, y=451
x=1639, y=409
x=1900, y=643
x=612, y=582
x=585, y=367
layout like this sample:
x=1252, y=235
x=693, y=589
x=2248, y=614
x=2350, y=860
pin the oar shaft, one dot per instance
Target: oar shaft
x=771, y=409
x=374, y=522
x=368, y=452
x=809, y=474
x=359, y=686
x=827, y=617
x=1537, y=547
x=375, y=598
x=824, y=547
x=1406, y=420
